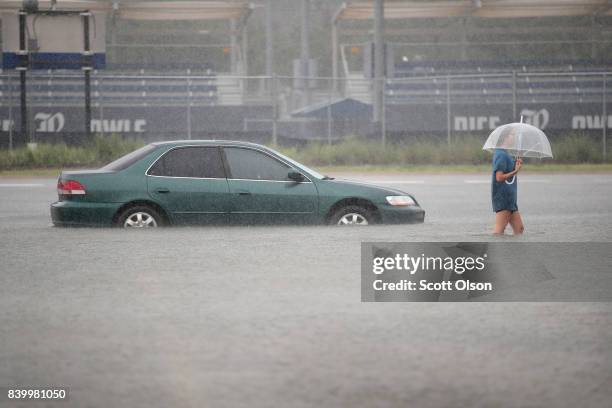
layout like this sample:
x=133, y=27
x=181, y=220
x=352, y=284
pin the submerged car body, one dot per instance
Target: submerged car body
x=209, y=181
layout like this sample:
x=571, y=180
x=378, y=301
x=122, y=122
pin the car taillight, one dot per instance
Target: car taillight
x=70, y=187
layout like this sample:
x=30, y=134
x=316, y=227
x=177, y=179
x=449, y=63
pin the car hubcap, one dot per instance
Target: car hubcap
x=353, y=219
x=140, y=220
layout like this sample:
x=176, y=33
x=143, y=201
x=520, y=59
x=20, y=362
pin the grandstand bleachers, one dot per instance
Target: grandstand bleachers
x=475, y=82
x=429, y=68
x=117, y=87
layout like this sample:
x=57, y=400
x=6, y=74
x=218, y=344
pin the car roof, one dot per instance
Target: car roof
x=207, y=142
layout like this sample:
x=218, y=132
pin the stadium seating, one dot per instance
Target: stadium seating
x=492, y=82
x=125, y=85
x=470, y=82
x=422, y=68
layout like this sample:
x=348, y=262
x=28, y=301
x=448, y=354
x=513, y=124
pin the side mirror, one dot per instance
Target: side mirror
x=295, y=176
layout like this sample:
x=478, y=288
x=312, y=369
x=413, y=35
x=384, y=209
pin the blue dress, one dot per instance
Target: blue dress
x=503, y=195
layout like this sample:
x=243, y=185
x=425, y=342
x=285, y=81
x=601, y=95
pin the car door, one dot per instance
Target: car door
x=262, y=192
x=190, y=183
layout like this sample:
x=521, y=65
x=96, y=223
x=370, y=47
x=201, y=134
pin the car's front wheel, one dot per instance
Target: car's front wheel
x=352, y=215
x=139, y=217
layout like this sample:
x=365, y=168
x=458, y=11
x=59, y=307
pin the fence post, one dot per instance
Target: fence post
x=605, y=119
x=11, y=123
x=329, y=115
x=101, y=101
x=513, y=95
x=274, y=108
x=448, y=111
x=189, y=108
x=384, y=112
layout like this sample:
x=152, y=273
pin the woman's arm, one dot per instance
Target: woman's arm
x=501, y=176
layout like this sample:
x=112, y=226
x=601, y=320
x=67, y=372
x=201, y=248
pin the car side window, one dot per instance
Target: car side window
x=200, y=162
x=250, y=164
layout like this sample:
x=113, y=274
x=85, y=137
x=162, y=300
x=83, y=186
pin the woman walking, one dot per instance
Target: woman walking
x=504, y=186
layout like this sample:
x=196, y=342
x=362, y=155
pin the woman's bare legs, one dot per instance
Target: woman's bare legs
x=516, y=222
x=502, y=218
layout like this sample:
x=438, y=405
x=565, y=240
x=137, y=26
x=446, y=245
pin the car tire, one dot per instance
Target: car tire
x=140, y=216
x=352, y=215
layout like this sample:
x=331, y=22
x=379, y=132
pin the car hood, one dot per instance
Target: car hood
x=363, y=187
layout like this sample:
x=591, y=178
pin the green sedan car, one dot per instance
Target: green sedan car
x=211, y=182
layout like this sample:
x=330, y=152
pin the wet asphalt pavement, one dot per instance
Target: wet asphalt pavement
x=271, y=316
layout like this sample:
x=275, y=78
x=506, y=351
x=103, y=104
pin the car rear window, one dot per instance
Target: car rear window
x=199, y=162
x=126, y=161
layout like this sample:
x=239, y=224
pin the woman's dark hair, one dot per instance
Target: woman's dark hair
x=507, y=131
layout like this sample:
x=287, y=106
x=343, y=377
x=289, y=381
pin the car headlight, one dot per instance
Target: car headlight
x=400, y=201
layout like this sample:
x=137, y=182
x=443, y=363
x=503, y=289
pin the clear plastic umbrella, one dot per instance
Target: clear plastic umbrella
x=520, y=140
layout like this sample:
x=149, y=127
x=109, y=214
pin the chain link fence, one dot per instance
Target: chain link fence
x=286, y=110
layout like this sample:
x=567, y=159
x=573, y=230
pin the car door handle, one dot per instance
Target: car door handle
x=162, y=190
x=243, y=192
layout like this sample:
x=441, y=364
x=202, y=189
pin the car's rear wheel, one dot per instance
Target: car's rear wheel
x=352, y=215
x=140, y=216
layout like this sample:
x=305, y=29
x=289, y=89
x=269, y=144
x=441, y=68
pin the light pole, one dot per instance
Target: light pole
x=305, y=51
x=269, y=40
x=379, y=58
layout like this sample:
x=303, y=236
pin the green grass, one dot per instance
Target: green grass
x=100, y=151
x=441, y=169
x=356, y=152
x=444, y=169
x=467, y=151
x=573, y=153
x=44, y=172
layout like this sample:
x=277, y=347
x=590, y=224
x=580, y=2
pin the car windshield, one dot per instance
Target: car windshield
x=126, y=161
x=301, y=166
